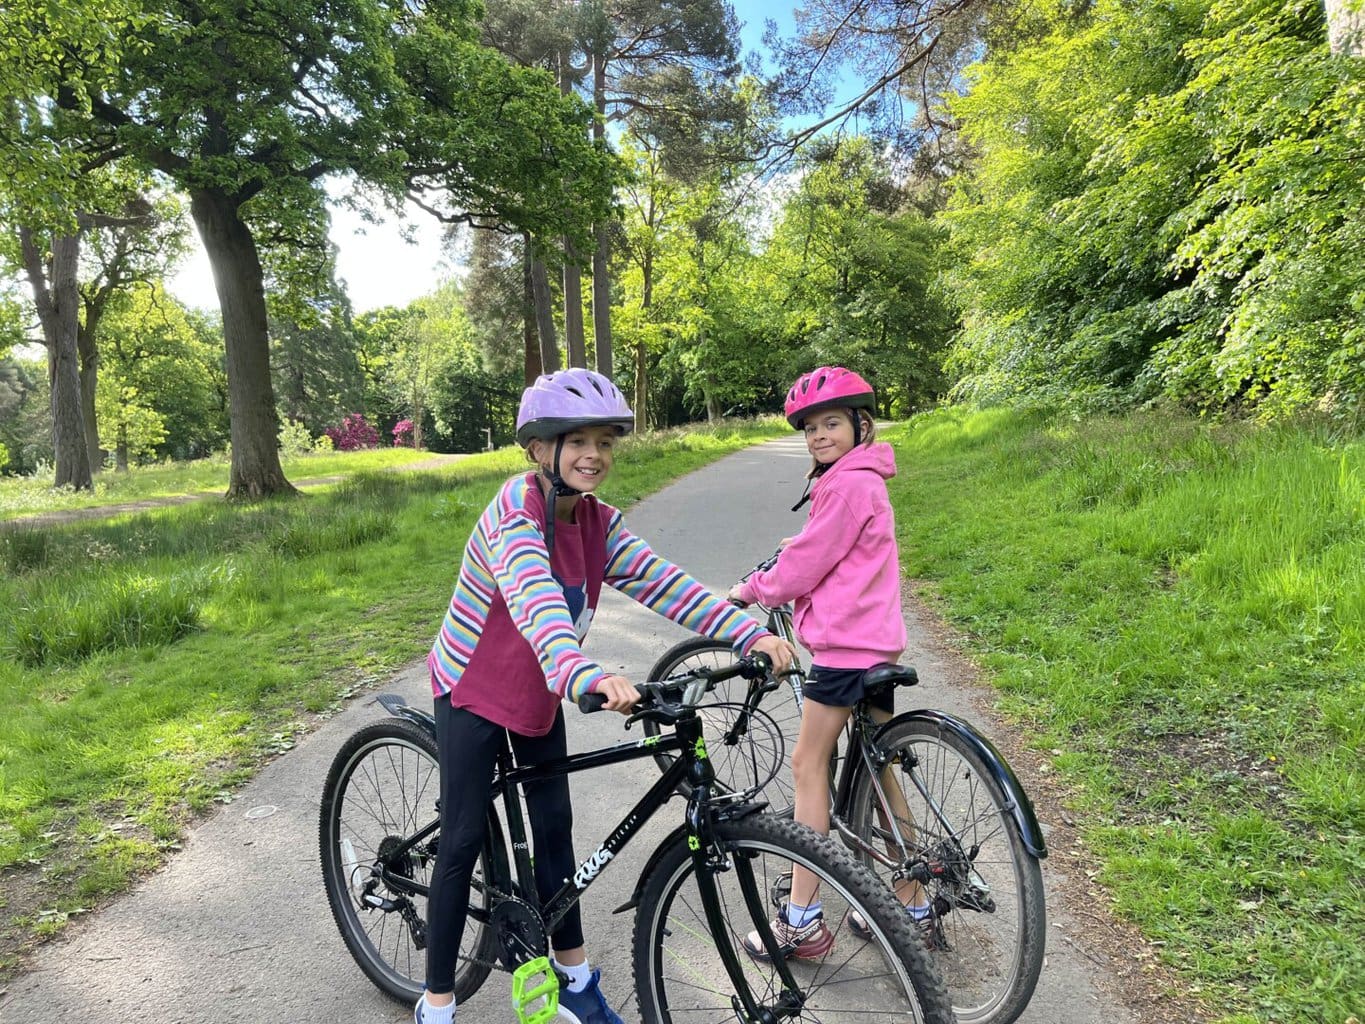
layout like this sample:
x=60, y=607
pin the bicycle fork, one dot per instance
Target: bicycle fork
x=709, y=859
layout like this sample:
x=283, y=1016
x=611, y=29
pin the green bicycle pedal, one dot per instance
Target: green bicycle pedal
x=535, y=992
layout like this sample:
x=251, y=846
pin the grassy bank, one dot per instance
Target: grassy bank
x=1179, y=609
x=148, y=665
x=23, y=496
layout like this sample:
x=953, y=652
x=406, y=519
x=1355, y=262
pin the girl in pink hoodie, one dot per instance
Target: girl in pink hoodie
x=842, y=573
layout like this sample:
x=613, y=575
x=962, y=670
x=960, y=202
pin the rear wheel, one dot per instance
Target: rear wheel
x=680, y=976
x=986, y=882
x=382, y=789
x=755, y=756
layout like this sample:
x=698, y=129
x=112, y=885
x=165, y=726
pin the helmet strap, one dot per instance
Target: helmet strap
x=558, y=488
x=810, y=481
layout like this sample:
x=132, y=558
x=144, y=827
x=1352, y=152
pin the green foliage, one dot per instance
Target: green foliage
x=852, y=271
x=313, y=362
x=161, y=389
x=52, y=623
x=295, y=438
x=25, y=418
x=1178, y=610
x=1166, y=203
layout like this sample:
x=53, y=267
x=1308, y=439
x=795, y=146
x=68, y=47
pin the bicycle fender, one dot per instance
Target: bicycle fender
x=399, y=708
x=1020, y=807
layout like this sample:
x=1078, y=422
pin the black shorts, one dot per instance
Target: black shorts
x=843, y=687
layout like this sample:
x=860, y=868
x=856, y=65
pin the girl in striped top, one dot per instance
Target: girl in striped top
x=509, y=652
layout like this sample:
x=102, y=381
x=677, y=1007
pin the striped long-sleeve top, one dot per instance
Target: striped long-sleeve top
x=509, y=648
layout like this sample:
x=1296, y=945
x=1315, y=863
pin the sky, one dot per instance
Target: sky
x=378, y=266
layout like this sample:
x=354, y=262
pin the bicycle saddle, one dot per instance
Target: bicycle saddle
x=885, y=677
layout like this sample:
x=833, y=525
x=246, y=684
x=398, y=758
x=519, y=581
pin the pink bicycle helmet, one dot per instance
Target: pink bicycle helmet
x=825, y=388
x=568, y=399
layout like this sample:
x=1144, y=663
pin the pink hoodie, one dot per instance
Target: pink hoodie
x=843, y=571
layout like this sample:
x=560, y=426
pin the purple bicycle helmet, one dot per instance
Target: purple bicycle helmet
x=568, y=399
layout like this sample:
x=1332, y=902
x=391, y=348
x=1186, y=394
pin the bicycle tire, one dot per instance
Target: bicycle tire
x=994, y=956
x=383, y=785
x=745, y=764
x=679, y=975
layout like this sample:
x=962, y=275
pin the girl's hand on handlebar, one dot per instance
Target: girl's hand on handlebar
x=735, y=599
x=779, y=652
x=620, y=693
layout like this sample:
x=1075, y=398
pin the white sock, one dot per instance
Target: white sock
x=799, y=916
x=429, y=1014
x=918, y=912
x=579, y=975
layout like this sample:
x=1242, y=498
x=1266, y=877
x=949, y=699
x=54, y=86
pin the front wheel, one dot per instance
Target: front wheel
x=952, y=816
x=383, y=788
x=680, y=975
x=763, y=751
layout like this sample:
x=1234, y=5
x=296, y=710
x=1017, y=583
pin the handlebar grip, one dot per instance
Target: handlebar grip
x=590, y=703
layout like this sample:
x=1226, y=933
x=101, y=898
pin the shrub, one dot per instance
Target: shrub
x=402, y=434
x=353, y=434
x=295, y=438
x=323, y=443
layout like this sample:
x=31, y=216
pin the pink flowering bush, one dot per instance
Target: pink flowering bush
x=402, y=434
x=354, y=433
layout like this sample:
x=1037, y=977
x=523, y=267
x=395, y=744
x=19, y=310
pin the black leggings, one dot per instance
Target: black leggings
x=469, y=747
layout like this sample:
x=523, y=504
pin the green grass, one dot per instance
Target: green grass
x=1179, y=608
x=24, y=496
x=151, y=663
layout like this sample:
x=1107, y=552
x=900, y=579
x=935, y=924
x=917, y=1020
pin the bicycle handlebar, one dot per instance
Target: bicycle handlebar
x=669, y=696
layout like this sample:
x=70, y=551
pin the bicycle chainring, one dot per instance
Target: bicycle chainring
x=520, y=932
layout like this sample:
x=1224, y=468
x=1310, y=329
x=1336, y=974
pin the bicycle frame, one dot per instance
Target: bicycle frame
x=702, y=810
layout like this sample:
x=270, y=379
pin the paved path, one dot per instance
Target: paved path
x=237, y=929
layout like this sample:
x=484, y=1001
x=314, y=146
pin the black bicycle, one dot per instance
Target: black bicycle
x=924, y=799
x=716, y=877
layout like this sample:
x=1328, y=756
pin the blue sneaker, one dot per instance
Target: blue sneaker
x=589, y=1006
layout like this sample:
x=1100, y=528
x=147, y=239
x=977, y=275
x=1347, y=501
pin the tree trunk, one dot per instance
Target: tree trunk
x=601, y=272
x=418, y=439
x=529, y=338
x=573, y=310
x=713, y=409
x=121, y=450
x=545, y=316
x=641, y=386
x=238, y=278
x=1346, y=28
x=89, y=374
x=58, y=313
x=641, y=350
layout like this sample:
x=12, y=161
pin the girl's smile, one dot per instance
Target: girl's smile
x=829, y=435
x=584, y=461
